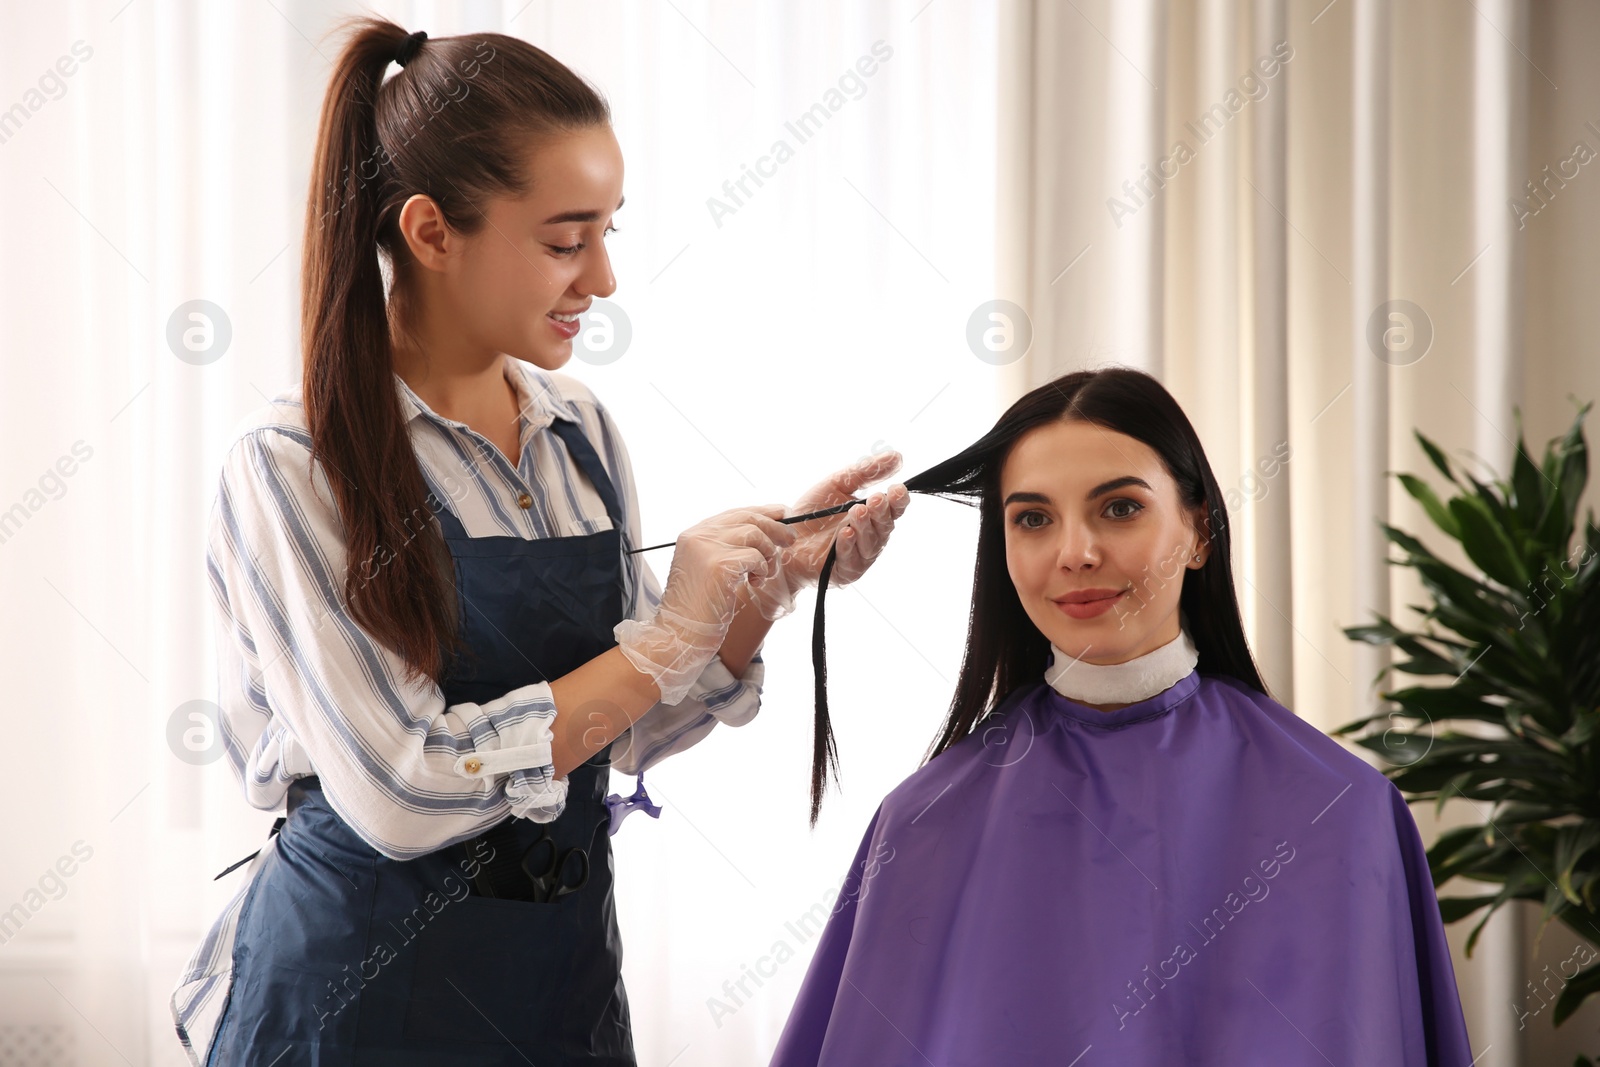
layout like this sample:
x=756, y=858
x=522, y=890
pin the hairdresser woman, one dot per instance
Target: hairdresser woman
x=434, y=638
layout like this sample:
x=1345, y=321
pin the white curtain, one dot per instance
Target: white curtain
x=821, y=318
x=1176, y=200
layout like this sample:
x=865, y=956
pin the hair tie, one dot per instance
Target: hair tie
x=409, y=46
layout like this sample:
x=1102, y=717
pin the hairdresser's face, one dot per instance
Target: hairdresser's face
x=1087, y=508
x=545, y=252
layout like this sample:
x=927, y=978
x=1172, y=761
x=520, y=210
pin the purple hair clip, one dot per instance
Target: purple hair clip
x=621, y=808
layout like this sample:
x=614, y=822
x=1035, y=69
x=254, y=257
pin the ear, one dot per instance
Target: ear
x=1200, y=521
x=425, y=232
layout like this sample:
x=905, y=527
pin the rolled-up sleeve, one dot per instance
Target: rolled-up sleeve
x=717, y=696
x=304, y=688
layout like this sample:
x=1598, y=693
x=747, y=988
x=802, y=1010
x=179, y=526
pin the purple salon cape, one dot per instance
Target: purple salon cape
x=1198, y=878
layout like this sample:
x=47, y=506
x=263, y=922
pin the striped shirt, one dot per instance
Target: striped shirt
x=304, y=689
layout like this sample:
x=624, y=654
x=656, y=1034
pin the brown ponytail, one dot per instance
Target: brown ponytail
x=457, y=124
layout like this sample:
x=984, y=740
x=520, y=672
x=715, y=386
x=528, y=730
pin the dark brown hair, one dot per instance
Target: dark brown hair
x=1005, y=650
x=459, y=124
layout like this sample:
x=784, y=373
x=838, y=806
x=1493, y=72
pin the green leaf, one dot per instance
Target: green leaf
x=1582, y=730
x=1578, y=987
x=1422, y=775
x=1355, y=727
x=1400, y=746
x=1442, y=703
x=1436, y=455
x=1454, y=909
x=1515, y=814
x=1529, y=487
x=1430, y=503
x=1486, y=543
x=1382, y=632
x=1494, y=502
x=1572, y=844
x=1451, y=842
x=1573, y=473
x=1454, y=788
x=1525, y=883
x=1482, y=860
x=1423, y=659
x=1460, y=588
x=1554, y=528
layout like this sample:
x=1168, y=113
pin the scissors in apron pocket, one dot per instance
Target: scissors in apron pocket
x=547, y=867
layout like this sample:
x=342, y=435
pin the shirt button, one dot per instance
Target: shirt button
x=473, y=765
x=524, y=501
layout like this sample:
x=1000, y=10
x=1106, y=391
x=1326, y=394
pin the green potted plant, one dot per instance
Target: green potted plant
x=1511, y=725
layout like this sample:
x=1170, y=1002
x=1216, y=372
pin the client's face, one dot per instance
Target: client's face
x=1091, y=511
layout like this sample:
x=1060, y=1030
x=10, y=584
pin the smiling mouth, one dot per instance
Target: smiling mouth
x=1078, y=598
x=1089, y=609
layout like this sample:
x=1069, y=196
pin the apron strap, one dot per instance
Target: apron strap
x=452, y=528
x=589, y=461
x=276, y=826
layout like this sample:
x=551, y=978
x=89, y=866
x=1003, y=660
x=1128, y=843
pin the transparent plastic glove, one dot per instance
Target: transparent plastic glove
x=711, y=560
x=861, y=533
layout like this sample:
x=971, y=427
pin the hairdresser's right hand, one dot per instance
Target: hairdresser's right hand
x=710, y=561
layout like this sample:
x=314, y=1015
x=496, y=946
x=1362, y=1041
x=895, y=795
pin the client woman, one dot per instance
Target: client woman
x=1121, y=849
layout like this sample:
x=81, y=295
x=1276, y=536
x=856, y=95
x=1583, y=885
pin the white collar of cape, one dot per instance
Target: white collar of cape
x=1137, y=679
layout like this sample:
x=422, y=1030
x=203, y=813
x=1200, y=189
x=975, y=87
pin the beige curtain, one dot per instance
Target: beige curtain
x=1227, y=193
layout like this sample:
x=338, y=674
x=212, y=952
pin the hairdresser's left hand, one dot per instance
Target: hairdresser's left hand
x=861, y=533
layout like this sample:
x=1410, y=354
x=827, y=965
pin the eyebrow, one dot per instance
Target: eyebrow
x=1099, y=490
x=578, y=216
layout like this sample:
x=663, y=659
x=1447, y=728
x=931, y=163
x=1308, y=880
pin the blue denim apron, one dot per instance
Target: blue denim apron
x=346, y=958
